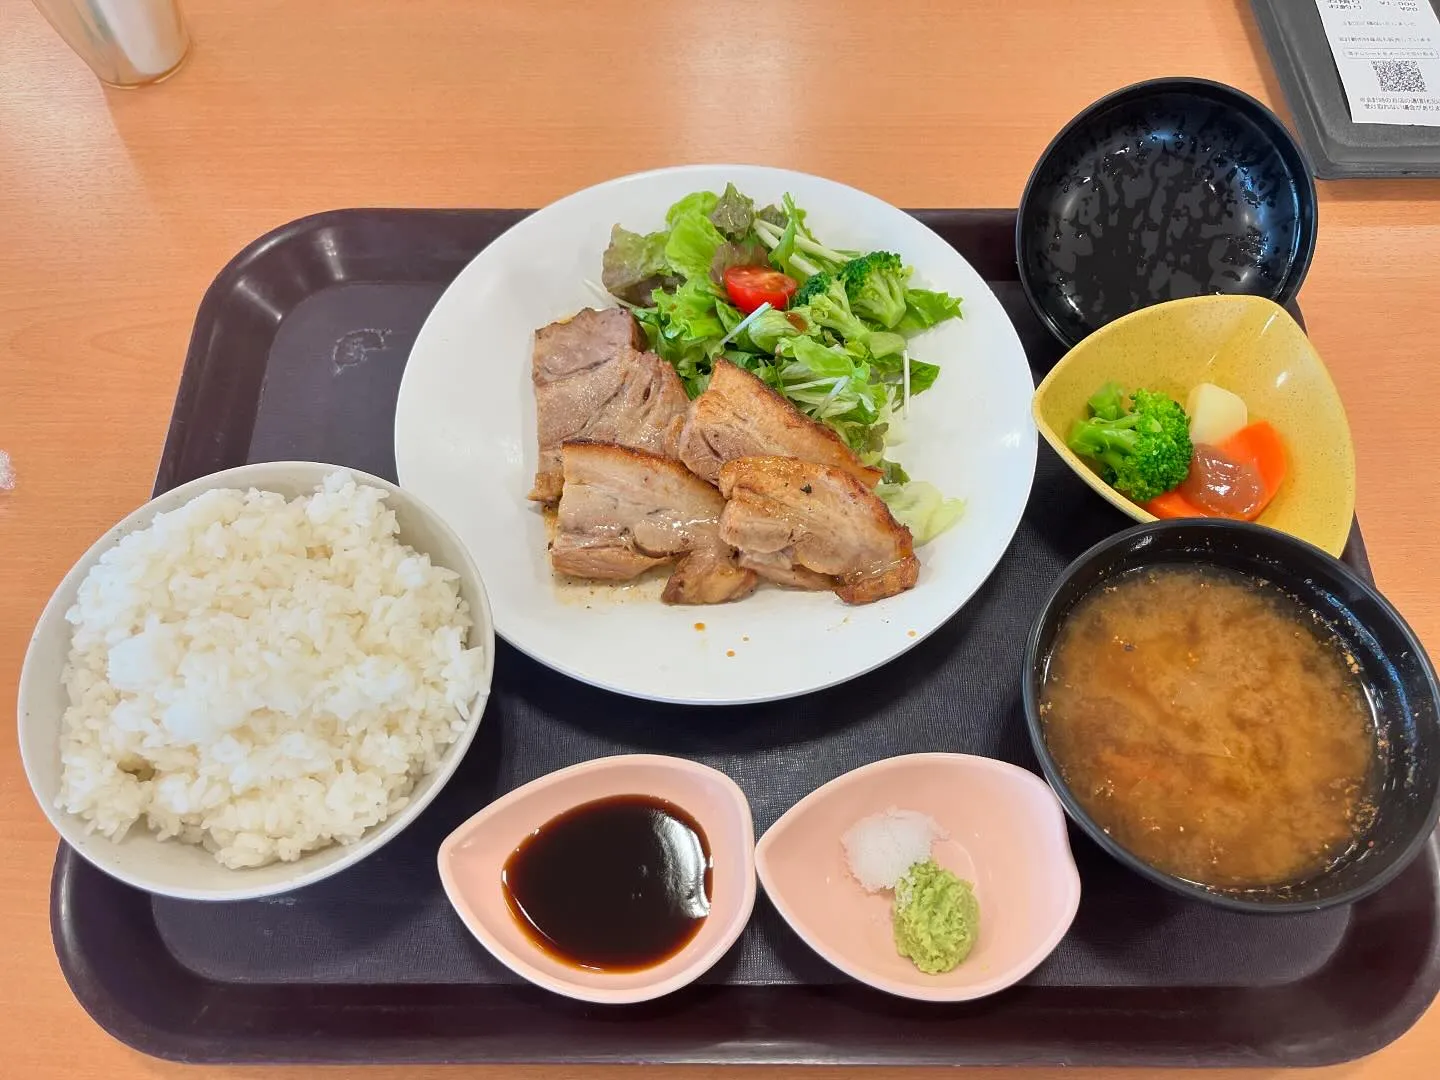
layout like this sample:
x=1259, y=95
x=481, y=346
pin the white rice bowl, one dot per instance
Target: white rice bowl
x=255, y=680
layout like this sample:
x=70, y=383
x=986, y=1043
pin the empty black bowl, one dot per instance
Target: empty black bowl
x=1399, y=680
x=1165, y=189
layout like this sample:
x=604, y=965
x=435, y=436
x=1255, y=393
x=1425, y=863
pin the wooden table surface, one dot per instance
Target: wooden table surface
x=117, y=209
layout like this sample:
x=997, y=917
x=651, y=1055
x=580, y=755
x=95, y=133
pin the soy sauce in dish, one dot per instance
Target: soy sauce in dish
x=618, y=884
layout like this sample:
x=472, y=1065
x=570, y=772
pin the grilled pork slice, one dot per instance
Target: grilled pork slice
x=623, y=511
x=739, y=416
x=781, y=568
x=800, y=523
x=593, y=381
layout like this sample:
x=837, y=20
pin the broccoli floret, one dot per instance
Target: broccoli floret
x=1144, y=451
x=830, y=307
x=822, y=302
x=875, y=286
x=814, y=286
x=1108, y=403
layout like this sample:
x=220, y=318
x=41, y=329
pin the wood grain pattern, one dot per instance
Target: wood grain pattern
x=117, y=209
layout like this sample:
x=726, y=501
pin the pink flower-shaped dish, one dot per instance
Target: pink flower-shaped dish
x=472, y=858
x=1006, y=835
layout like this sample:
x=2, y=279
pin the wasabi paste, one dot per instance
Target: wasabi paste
x=935, y=918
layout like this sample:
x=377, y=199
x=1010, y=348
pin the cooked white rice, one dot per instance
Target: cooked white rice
x=261, y=676
x=882, y=847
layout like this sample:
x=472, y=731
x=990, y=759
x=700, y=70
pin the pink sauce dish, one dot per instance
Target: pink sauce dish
x=999, y=828
x=613, y=881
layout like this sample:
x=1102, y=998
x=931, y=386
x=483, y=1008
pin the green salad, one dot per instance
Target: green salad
x=828, y=329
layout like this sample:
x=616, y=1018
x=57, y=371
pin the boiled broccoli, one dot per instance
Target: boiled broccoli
x=875, y=286
x=825, y=304
x=1144, y=451
x=1107, y=403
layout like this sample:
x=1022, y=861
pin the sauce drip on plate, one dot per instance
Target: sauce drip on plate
x=618, y=884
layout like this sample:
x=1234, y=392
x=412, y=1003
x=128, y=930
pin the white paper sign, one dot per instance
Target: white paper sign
x=1388, y=55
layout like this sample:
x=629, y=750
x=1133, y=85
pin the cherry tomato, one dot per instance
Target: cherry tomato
x=751, y=286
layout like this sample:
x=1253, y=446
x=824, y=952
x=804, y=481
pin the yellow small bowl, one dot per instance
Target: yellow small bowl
x=1251, y=347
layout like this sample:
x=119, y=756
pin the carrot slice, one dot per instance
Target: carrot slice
x=1174, y=505
x=1260, y=443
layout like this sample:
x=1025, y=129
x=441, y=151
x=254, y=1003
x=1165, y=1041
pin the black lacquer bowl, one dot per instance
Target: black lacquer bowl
x=1165, y=189
x=1399, y=680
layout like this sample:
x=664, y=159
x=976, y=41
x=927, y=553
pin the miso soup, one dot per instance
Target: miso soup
x=1212, y=725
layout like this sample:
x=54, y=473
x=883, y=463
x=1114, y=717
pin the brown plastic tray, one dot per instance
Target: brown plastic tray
x=297, y=353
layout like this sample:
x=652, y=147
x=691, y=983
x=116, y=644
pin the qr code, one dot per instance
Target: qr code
x=1399, y=76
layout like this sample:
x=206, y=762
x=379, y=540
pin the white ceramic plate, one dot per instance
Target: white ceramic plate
x=465, y=444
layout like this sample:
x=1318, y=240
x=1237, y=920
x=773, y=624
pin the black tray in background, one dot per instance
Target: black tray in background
x=1338, y=148
x=297, y=353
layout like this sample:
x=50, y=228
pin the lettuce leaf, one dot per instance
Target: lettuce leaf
x=883, y=343
x=737, y=253
x=649, y=320
x=688, y=317
x=795, y=214
x=925, y=307
x=634, y=265
x=688, y=329
x=728, y=314
x=733, y=214
x=796, y=250
x=921, y=508
x=773, y=214
x=892, y=473
x=702, y=203
x=690, y=249
x=820, y=361
x=891, y=370
x=828, y=383
x=922, y=376
x=747, y=360
x=783, y=254
x=771, y=327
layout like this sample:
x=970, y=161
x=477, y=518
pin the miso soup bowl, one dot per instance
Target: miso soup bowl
x=1397, y=675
